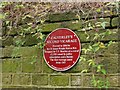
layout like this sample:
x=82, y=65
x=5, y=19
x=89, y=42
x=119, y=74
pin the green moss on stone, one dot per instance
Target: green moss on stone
x=110, y=63
x=62, y=16
x=60, y=80
x=115, y=21
x=6, y=79
x=46, y=68
x=11, y=65
x=20, y=51
x=28, y=66
x=50, y=27
x=40, y=79
x=21, y=79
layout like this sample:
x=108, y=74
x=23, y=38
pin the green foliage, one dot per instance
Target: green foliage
x=25, y=17
x=20, y=17
x=95, y=46
x=100, y=82
x=97, y=68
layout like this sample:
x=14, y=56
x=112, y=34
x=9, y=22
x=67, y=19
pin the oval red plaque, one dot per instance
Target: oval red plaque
x=62, y=49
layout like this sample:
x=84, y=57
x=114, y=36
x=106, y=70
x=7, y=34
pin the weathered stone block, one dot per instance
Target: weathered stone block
x=59, y=80
x=0, y=79
x=28, y=66
x=38, y=65
x=21, y=51
x=87, y=81
x=111, y=50
x=110, y=63
x=7, y=42
x=50, y=27
x=6, y=79
x=62, y=16
x=28, y=40
x=76, y=80
x=11, y=65
x=7, y=52
x=39, y=79
x=29, y=51
x=73, y=25
x=100, y=80
x=21, y=79
x=80, y=65
x=115, y=21
x=46, y=68
x=113, y=80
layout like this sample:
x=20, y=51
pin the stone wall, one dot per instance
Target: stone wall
x=19, y=71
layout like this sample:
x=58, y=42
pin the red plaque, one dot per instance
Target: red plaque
x=62, y=49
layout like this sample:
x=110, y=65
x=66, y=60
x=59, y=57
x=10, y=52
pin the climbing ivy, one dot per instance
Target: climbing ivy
x=98, y=70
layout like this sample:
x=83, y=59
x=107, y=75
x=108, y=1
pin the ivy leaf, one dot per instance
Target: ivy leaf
x=96, y=36
x=98, y=10
x=103, y=24
x=103, y=71
x=96, y=49
x=7, y=22
x=91, y=62
x=110, y=43
x=108, y=32
x=84, y=71
x=41, y=36
x=102, y=45
x=78, y=16
x=85, y=50
x=82, y=59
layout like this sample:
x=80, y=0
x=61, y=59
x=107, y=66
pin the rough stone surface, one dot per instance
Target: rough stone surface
x=87, y=81
x=80, y=65
x=115, y=21
x=76, y=80
x=28, y=66
x=21, y=79
x=11, y=65
x=39, y=79
x=46, y=68
x=113, y=80
x=6, y=79
x=25, y=67
x=110, y=64
x=59, y=80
